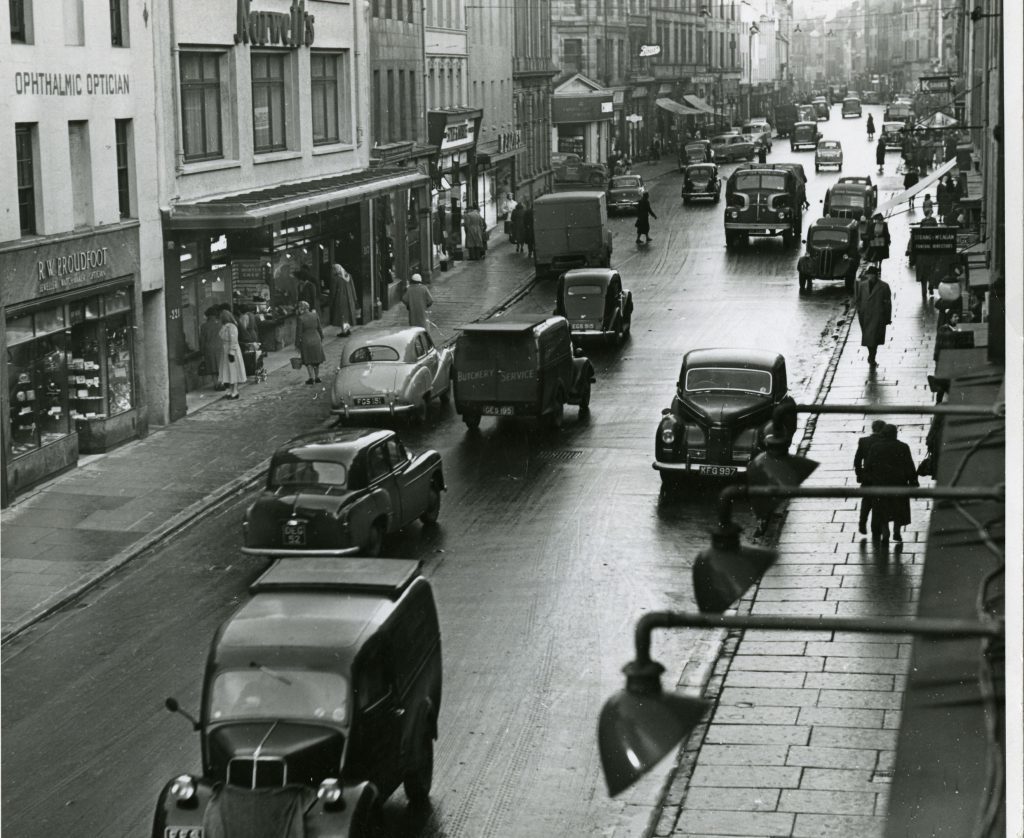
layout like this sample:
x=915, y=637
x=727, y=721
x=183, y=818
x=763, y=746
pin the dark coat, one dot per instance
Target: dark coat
x=873, y=301
x=878, y=241
x=910, y=179
x=880, y=152
x=864, y=445
x=889, y=463
x=306, y=290
x=519, y=224
x=528, y=228
x=644, y=214
x=871, y=124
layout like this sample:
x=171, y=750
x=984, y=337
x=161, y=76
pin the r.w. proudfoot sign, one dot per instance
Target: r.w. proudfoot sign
x=293, y=28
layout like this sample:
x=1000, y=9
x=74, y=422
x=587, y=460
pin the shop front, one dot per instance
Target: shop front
x=453, y=132
x=252, y=251
x=582, y=114
x=496, y=175
x=71, y=384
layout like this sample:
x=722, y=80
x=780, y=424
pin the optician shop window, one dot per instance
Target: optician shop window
x=70, y=362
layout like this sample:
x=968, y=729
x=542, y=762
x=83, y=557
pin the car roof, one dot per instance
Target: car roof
x=851, y=188
x=701, y=166
x=864, y=180
x=753, y=358
x=898, y=125
x=581, y=275
x=334, y=444
x=851, y=98
x=834, y=224
x=795, y=169
x=380, y=577
x=805, y=122
x=634, y=178
x=568, y=197
x=507, y=325
x=383, y=337
x=829, y=143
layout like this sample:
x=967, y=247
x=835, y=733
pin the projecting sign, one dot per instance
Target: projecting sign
x=936, y=84
x=649, y=50
x=933, y=240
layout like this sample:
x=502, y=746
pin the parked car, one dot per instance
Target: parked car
x=828, y=153
x=701, y=180
x=893, y=133
x=388, y=374
x=595, y=304
x=833, y=253
x=805, y=113
x=851, y=107
x=760, y=132
x=571, y=168
x=720, y=413
x=822, y=108
x=870, y=97
x=570, y=230
x=804, y=135
x=339, y=493
x=321, y=695
x=624, y=192
x=850, y=199
x=899, y=111
x=519, y=367
x=763, y=200
x=697, y=151
x=732, y=147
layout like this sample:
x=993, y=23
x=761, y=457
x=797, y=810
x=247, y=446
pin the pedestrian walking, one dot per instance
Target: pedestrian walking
x=927, y=205
x=880, y=154
x=475, y=230
x=519, y=227
x=342, y=305
x=232, y=369
x=889, y=463
x=528, y=229
x=910, y=180
x=306, y=288
x=762, y=153
x=950, y=304
x=417, y=299
x=863, y=446
x=644, y=214
x=309, y=340
x=873, y=300
x=209, y=344
x=959, y=188
x=943, y=196
x=878, y=239
x=508, y=206
x=871, y=128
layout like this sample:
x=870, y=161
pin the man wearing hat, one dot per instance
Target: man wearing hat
x=417, y=299
x=864, y=445
x=873, y=301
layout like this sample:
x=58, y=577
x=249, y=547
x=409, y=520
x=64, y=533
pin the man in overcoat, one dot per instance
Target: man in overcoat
x=474, y=224
x=889, y=463
x=417, y=299
x=864, y=445
x=342, y=303
x=873, y=301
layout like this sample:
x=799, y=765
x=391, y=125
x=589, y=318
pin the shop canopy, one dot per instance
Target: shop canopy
x=701, y=105
x=938, y=120
x=672, y=106
x=920, y=186
x=259, y=207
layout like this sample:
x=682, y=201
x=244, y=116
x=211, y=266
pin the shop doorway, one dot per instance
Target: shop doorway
x=346, y=245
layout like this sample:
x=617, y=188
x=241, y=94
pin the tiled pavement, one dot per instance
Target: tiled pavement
x=802, y=741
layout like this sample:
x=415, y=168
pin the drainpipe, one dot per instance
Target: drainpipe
x=179, y=148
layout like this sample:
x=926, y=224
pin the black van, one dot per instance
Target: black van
x=763, y=201
x=321, y=697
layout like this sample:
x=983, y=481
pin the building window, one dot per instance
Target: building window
x=118, y=21
x=21, y=21
x=200, y=105
x=268, y=102
x=389, y=106
x=572, y=55
x=123, y=141
x=324, y=88
x=74, y=23
x=24, y=141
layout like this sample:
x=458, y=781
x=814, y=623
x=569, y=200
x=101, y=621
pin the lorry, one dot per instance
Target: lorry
x=785, y=116
x=763, y=201
x=570, y=230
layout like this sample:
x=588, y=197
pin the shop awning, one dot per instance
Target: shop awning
x=920, y=186
x=674, y=107
x=265, y=206
x=938, y=120
x=701, y=105
x=638, y=93
x=665, y=89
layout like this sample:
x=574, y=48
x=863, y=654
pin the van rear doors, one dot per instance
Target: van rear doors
x=496, y=367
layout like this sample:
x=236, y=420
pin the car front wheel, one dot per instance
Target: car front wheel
x=557, y=414
x=374, y=540
x=433, y=509
x=420, y=775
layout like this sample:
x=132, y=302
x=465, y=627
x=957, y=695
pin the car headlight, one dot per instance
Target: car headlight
x=183, y=788
x=330, y=792
x=782, y=214
x=734, y=214
x=668, y=436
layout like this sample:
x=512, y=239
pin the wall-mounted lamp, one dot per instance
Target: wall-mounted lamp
x=977, y=14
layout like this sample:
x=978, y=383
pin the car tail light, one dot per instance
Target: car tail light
x=183, y=788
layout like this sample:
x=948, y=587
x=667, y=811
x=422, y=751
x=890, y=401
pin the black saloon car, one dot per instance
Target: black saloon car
x=720, y=413
x=701, y=180
x=320, y=697
x=339, y=492
x=833, y=253
x=595, y=304
x=624, y=193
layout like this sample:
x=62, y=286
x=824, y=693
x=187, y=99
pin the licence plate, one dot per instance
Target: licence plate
x=718, y=471
x=582, y=325
x=367, y=401
x=293, y=534
x=183, y=832
x=495, y=410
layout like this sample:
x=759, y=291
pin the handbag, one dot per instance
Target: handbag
x=296, y=363
x=231, y=357
x=924, y=468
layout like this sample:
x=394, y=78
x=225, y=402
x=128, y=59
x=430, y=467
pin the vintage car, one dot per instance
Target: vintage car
x=340, y=492
x=696, y=151
x=804, y=135
x=731, y=147
x=595, y=304
x=519, y=366
x=763, y=200
x=624, y=192
x=805, y=113
x=851, y=107
x=828, y=153
x=570, y=168
x=721, y=412
x=701, y=180
x=850, y=199
x=833, y=253
x=320, y=696
x=389, y=374
x=822, y=109
x=893, y=134
x=870, y=97
x=760, y=132
x=899, y=111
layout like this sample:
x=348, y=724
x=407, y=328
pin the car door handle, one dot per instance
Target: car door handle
x=399, y=712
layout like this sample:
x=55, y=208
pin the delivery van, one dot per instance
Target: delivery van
x=570, y=230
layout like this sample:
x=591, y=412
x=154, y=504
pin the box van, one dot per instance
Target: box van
x=570, y=230
x=519, y=367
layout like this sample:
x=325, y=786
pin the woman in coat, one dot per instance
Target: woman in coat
x=880, y=154
x=644, y=214
x=944, y=196
x=519, y=227
x=309, y=337
x=878, y=239
x=528, y=230
x=871, y=128
x=209, y=343
x=232, y=369
x=889, y=463
x=873, y=300
x=474, y=225
x=342, y=303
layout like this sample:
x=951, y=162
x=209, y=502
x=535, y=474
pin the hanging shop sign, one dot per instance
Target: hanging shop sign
x=453, y=129
x=936, y=84
x=933, y=240
x=592, y=107
x=293, y=28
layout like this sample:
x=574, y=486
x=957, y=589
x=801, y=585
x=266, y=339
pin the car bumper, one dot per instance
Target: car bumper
x=714, y=469
x=292, y=553
x=620, y=205
x=381, y=410
x=701, y=193
x=759, y=229
x=830, y=162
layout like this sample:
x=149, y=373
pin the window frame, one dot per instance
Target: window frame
x=20, y=11
x=271, y=84
x=124, y=142
x=204, y=86
x=118, y=23
x=323, y=88
x=25, y=137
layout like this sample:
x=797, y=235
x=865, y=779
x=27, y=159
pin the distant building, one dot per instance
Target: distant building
x=532, y=71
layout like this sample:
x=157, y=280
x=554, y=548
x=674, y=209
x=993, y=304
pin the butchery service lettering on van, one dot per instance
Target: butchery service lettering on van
x=503, y=375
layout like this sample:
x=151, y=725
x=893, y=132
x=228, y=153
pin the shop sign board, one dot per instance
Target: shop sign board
x=458, y=135
x=933, y=240
x=33, y=83
x=293, y=28
x=936, y=84
x=577, y=109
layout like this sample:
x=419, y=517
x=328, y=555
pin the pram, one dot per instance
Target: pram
x=252, y=357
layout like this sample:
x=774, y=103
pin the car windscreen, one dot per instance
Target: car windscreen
x=771, y=181
x=727, y=378
x=831, y=145
x=847, y=199
x=583, y=290
x=822, y=237
x=755, y=128
x=624, y=182
x=285, y=473
x=260, y=692
x=365, y=354
x=700, y=172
